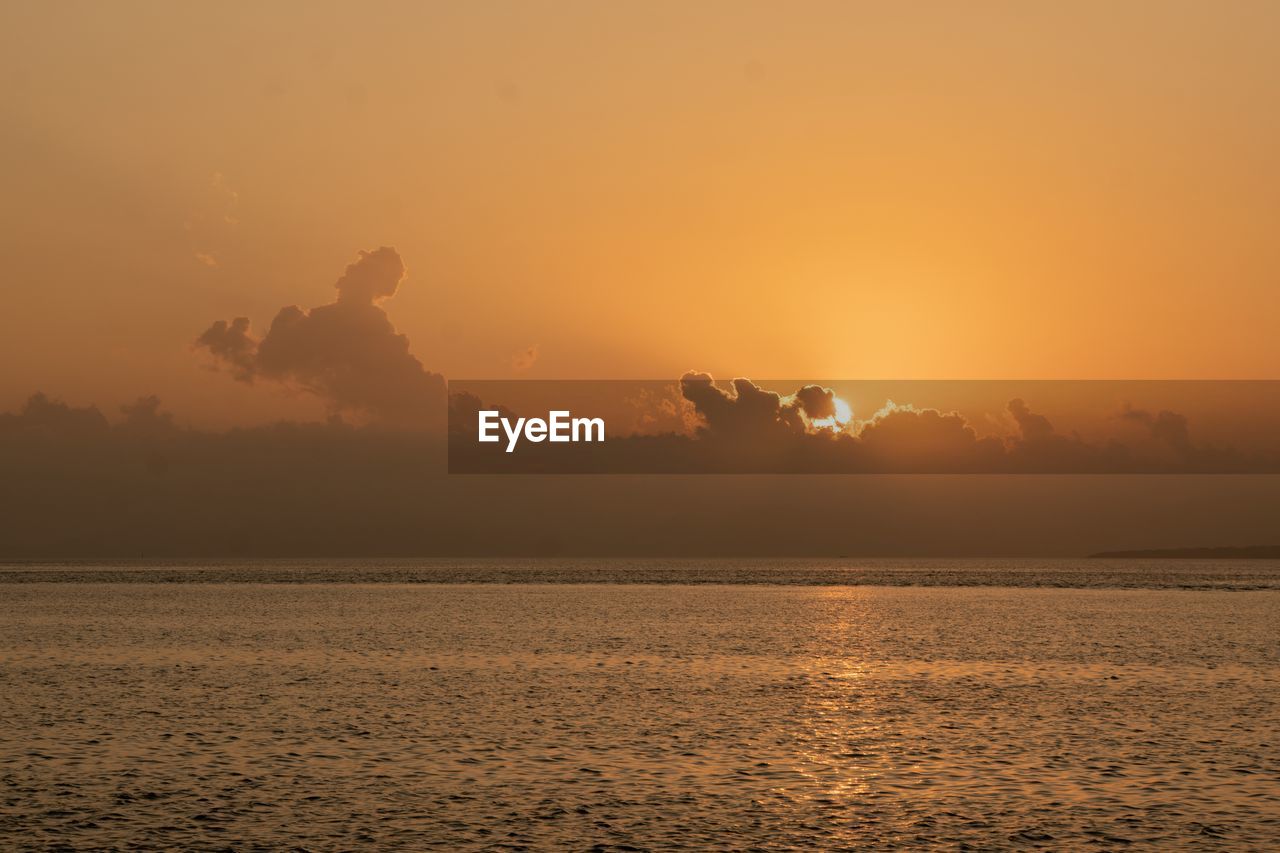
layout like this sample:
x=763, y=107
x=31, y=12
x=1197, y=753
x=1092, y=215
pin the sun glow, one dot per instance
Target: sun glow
x=841, y=419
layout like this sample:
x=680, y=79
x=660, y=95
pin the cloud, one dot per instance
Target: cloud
x=1168, y=427
x=347, y=352
x=751, y=411
x=1039, y=448
x=747, y=411
x=658, y=411
x=212, y=220
x=41, y=415
x=818, y=403
x=1034, y=427
x=144, y=416
x=231, y=344
x=742, y=427
x=463, y=410
x=373, y=277
x=1168, y=443
x=907, y=439
x=525, y=359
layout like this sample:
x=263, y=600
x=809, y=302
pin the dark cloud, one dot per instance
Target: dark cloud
x=1169, y=445
x=373, y=277
x=818, y=403
x=232, y=344
x=751, y=411
x=906, y=439
x=1039, y=448
x=347, y=352
x=1168, y=427
x=1034, y=427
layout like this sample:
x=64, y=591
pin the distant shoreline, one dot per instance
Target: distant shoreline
x=1248, y=552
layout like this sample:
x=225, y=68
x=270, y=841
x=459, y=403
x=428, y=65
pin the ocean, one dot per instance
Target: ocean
x=633, y=704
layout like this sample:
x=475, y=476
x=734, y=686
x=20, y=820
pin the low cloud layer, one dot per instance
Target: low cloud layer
x=347, y=352
x=83, y=482
x=906, y=439
x=742, y=427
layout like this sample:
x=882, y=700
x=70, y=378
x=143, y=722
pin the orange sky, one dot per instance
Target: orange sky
x=829, y=190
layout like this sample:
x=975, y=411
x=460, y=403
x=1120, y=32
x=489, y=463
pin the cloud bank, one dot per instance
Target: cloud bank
x=907, y=439
x=77, y=483
x=741, y=427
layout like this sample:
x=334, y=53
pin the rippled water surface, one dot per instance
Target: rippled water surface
x=1086, y=573
x=493, y=716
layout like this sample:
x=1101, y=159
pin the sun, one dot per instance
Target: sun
x=838, y=421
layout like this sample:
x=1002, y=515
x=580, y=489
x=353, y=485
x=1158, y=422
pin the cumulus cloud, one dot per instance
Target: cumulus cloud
x=1168, y=427
x=818, y=403
x=346, y=352
x=751, y=411
x=907, y=439
x=232, y=345
x=1040, y=448
x=1034, y=427
x=654, y=412
x=1168, y=443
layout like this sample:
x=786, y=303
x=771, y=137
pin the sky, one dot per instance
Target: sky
x=396, y=195
x=843, y=190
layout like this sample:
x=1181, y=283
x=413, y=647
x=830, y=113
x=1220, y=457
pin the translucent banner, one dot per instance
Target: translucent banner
x=698, y=425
